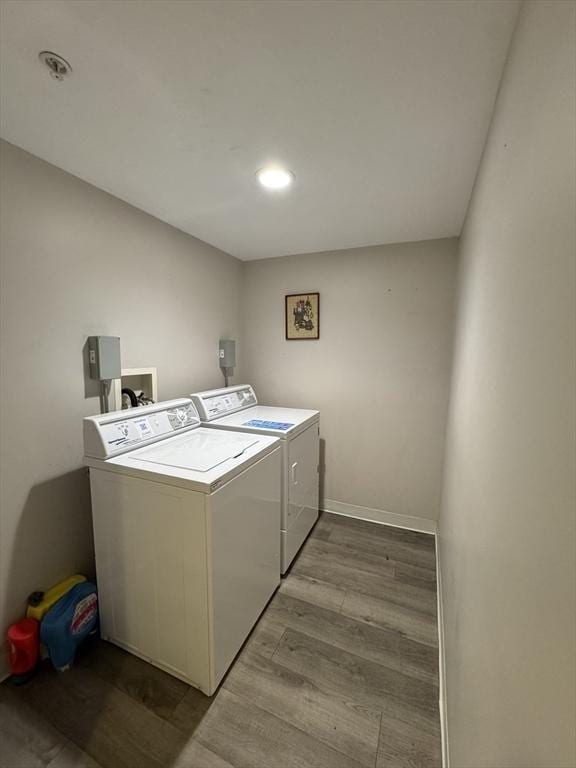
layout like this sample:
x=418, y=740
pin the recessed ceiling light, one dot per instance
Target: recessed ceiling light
x=273, y=177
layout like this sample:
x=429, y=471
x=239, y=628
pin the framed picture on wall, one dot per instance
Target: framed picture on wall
x=302, y=316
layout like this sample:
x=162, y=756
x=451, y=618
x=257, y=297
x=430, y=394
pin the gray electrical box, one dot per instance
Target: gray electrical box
x=227, y=353
x=104, y=357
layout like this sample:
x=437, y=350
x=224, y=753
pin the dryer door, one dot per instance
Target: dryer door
x=303, y=483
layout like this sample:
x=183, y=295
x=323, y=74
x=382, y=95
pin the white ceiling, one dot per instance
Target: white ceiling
x=380, y=108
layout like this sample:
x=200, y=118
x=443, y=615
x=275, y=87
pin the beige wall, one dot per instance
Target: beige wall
x=385, y=344
x=76, y=262
x=507, y=528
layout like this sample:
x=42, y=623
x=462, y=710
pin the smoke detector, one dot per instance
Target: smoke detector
x=56, y=65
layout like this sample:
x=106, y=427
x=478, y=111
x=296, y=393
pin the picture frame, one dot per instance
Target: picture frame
x=302, y=316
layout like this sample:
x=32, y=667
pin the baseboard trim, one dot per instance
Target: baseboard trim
x=441, y=662
x=380, y=516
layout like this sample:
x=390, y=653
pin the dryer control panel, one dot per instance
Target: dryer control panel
x=114, y=433
x=216, y=403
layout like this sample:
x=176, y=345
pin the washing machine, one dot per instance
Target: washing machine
x=236, y=408
x=186, y=535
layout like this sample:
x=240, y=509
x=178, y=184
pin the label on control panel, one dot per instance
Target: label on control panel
x=233, y=401
x=182, y=417
x=143, y=426
x=122, y=433
x=280, y=425
x=223, y=403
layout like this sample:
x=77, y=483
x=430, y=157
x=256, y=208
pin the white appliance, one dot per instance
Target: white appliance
x=186, y=535
x=299, y=430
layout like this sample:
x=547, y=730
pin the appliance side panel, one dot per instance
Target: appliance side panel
x=103, y=555
x=245, y=572
x=284, y=484
x=151, y=566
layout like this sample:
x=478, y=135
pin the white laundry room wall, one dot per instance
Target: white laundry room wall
x=379, y=373
x=75, y=262
x=508, y=521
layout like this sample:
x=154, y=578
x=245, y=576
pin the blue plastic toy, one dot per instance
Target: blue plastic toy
x=68, y=622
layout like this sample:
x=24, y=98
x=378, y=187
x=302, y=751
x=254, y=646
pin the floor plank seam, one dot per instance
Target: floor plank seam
x=379, y=737
x=308, y=734
x=59, y=751
x=393, y=670
x=284, y=628
x=68, y=737
x=329, y=640
x=136, y=703
x=114, y=683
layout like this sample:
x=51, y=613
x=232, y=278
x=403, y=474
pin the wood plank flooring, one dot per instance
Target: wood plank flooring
x=340, y=672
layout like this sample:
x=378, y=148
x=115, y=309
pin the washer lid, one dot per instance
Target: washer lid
x=197, y=451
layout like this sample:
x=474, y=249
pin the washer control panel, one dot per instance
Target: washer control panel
x=114, y=433
x=182, y=417
x=221, y=402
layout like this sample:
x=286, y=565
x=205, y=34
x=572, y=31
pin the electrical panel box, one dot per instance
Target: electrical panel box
x=104, y=357
x=227, y=353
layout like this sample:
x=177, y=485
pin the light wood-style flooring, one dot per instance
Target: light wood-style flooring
x=340, y=672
